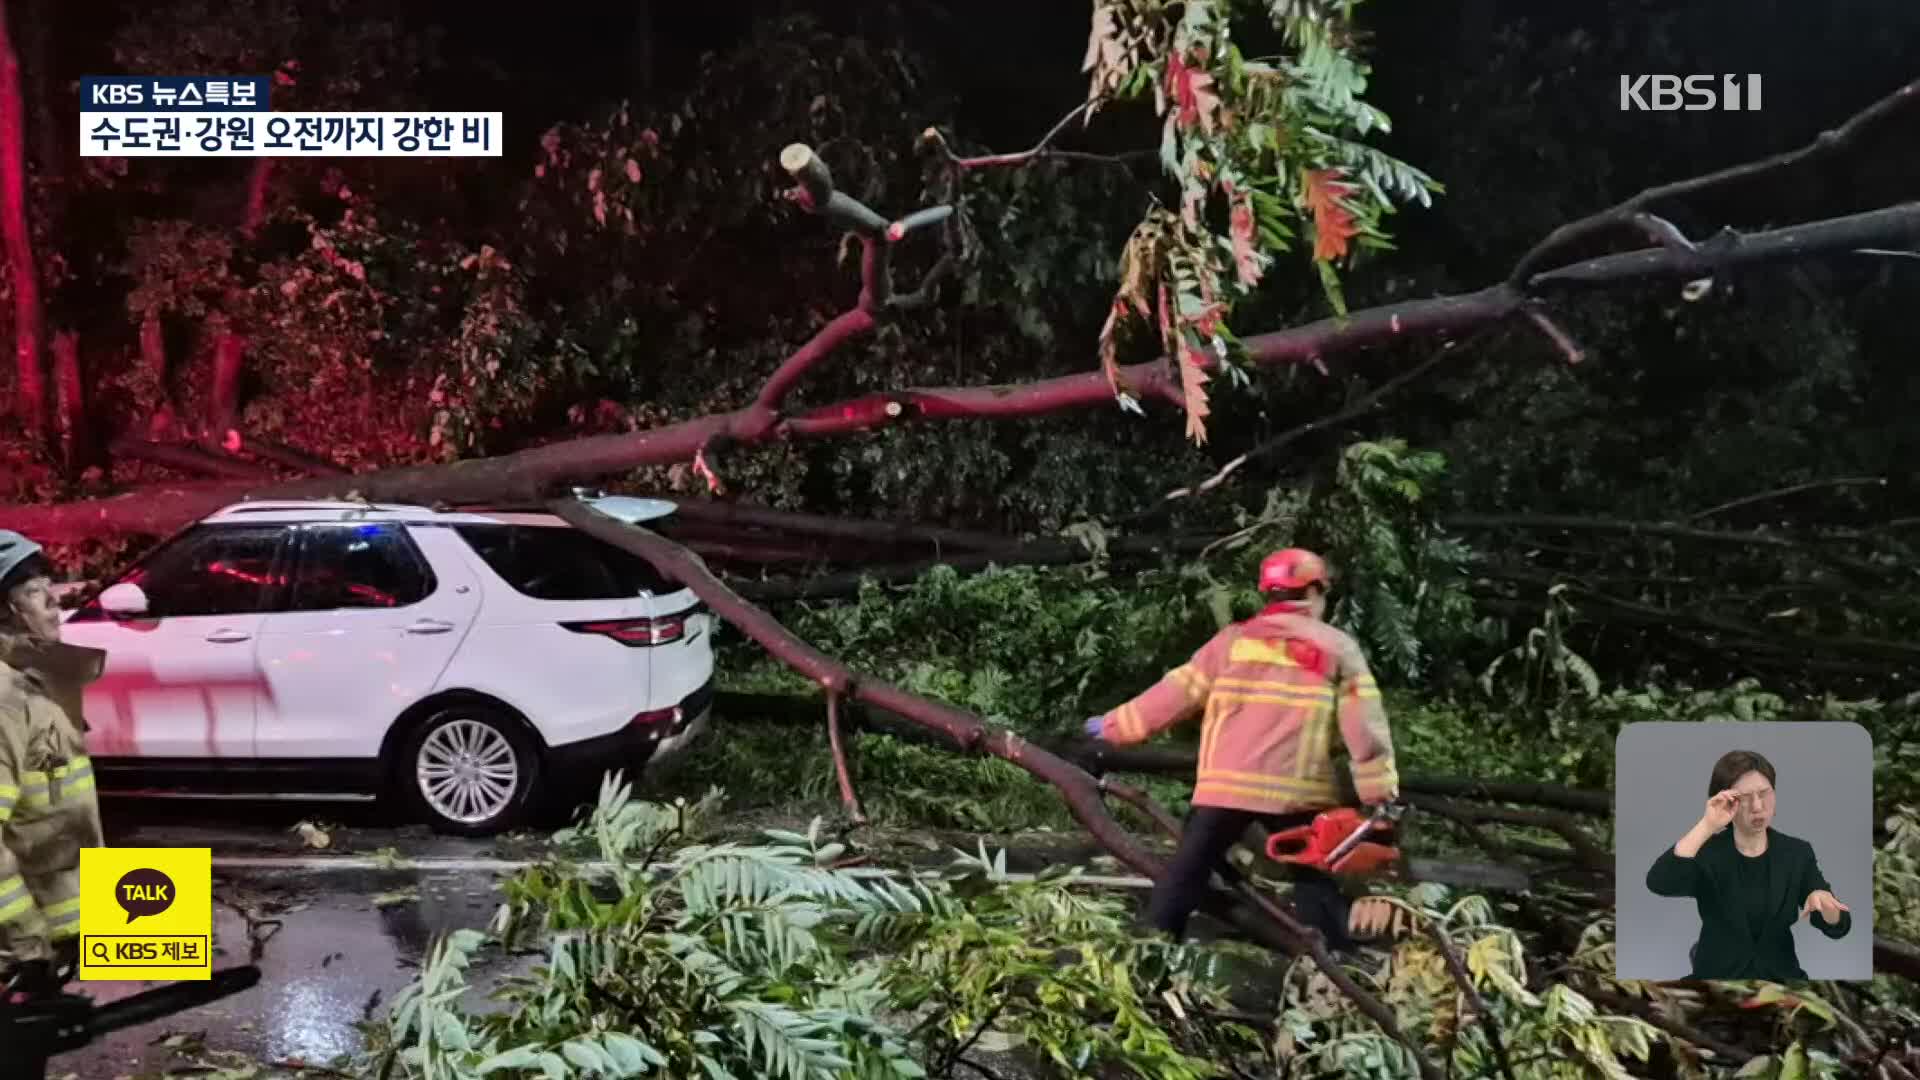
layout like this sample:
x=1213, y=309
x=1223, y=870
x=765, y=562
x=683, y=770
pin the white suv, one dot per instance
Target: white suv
x=463, y=661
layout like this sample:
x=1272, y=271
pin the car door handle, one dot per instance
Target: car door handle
x=429, y=626
x=228, y=637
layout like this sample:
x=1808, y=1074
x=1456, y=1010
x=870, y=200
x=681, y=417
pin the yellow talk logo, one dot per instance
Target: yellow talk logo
x=146, y=913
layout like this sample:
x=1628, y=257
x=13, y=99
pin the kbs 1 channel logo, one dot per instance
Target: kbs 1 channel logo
x=146, y=913
x=233, y=116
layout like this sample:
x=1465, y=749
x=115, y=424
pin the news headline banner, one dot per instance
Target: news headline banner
x=231, y=116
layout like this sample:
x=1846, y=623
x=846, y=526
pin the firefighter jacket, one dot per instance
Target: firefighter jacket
x=1270, y=692
x=48, y=808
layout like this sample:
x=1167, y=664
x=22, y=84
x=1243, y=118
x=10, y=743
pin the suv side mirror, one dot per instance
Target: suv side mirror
x=124, y=601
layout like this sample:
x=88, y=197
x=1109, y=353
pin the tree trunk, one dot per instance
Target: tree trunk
x=43, y=101
x=77, y=450
x=31, y=399
x=230, y=347
x=153, y=355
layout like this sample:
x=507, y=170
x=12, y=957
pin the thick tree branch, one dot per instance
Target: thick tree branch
x=191, y=460
x=1898, y=224
x=1633, y=213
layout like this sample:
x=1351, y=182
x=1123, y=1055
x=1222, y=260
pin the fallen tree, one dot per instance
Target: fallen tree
x=533, y=474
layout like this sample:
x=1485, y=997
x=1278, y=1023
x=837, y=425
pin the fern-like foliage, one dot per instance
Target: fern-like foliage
x=688, y=959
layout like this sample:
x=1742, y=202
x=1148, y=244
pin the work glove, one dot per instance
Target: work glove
x=1094, y=725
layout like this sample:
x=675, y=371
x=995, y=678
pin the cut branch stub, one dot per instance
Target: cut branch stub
x=809, y=171
x=818, y=195
x=919, y=219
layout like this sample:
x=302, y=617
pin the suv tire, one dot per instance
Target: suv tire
x=469, y=770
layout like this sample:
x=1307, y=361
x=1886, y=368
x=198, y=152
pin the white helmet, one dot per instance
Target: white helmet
x=15, y=550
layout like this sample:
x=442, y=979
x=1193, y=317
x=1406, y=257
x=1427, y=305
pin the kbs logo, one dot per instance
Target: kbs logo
x=1694, y=93
x=103, y=93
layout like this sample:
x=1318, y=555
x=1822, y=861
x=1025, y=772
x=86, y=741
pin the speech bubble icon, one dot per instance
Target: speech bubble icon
x=144, y=892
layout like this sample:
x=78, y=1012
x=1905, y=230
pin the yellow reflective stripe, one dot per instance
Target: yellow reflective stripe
x=1296, y=789
x=1259, y=651
x=78, y=765
x=1319, y=690
x=1380, y=766
x=33, y=790
x=1209, y=728
x=8, y=796
x=1362, y=687
x=77, y=785
x=1256, y=778
x=65, y=909
x=1306, y=695
x=1316, y=741
x=15, y=900
x=1191, y=680
x=1297, y=701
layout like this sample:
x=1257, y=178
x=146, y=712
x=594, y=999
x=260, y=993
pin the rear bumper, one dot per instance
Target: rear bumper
x=636, y=744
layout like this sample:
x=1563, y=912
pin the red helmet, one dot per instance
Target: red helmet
x=1294, y=568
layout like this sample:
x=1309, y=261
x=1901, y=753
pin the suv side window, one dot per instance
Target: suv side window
x=561, y=563
x=214, y=570
x=358, y=566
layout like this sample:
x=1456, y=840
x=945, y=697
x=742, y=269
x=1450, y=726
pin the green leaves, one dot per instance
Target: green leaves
x=749, y=960
x=1256, y=151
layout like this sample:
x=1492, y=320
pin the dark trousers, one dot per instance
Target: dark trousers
x=1210, y=832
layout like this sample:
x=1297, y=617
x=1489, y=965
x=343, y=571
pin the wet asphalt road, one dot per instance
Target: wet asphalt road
x=348, y=939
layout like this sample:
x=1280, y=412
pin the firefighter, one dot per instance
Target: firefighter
x=48, y=808
x=1270, y=691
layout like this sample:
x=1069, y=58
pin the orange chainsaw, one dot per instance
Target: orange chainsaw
x=1343, y=842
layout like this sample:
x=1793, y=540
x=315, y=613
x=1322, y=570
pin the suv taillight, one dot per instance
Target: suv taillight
x=635, y=633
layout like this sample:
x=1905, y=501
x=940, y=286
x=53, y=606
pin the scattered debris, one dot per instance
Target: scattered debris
x=313, y=835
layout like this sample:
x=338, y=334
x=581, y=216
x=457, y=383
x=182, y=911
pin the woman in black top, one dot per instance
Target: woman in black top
x=1751, y=883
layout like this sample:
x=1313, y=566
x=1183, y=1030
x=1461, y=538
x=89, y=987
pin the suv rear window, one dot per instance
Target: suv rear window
x=559, y=563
